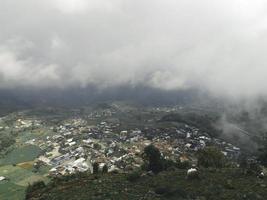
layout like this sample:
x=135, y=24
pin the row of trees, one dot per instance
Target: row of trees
x=96, y=168
x=207, y=157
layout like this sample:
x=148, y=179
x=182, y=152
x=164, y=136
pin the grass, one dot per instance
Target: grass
x=11, y=191
x=40, y=133
x=20, y=176
x=20, y=155
x=222, y=184
x=19, y=179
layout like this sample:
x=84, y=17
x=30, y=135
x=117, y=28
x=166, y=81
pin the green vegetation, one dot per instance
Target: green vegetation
x=153, y=159
x=18, y=180
x=10, y=191
x=211, y=157
x=220, y=184
x=263, y=155
x=105, y=169
x=7, y=138
x=35, y=186
x=134, y=176
x=204, y=122
x=6, y=141
x=95, y=168
x=21, y=154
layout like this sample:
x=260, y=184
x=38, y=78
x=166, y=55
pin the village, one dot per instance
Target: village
x=59, y=144
x=76, y=146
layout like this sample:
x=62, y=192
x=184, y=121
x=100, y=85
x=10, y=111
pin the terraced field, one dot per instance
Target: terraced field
x=21, y=154
x=18, y=179
x=17, y=167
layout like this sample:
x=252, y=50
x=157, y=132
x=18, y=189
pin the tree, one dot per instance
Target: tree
x=263, y=155
x=243, y=162
x=35, y=186
x=211, y=157
x=105, y=169
x=95, y=168
x=153, y=158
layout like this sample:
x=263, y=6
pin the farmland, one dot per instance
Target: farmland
x=21, y=154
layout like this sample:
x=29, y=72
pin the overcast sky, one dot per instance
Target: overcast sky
x=220, y=46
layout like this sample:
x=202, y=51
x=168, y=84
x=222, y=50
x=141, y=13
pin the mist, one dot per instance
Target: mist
x=168, y=45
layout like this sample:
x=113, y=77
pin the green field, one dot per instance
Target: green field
x=11, y=191
x=17, y=165
x=21, y=154
x=19, y=179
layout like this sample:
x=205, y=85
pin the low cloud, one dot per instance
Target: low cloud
x=218, y=46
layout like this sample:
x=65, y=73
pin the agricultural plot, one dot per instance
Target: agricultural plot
x=20, y=155
x=9, y=190
x=39, y=133
x=18, y=175
x=18, y=179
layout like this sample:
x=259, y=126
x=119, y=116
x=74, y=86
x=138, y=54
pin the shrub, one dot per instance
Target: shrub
x=35, y=186
x=183, y=165
x=153, y=158
x=254, y=168
x=105, y=169
x=134, y=176
x=168, y=191
x=211, y=157
x=263, y=155
x=162, y=190
x=169, y=164
x=95, y=168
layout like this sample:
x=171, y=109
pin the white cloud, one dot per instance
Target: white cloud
x=71, y=6
x=216, y=45
x=16, y=72
x=81, y=6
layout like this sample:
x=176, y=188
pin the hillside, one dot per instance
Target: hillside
x=213, y=184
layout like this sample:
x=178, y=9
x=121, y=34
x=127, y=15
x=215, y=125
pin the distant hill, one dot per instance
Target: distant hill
x=75, y=97
x=10, y=102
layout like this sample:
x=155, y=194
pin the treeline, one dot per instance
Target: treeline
x=6, y=140
x=204, y=122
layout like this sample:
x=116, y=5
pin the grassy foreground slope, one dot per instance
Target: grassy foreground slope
x=212, y=185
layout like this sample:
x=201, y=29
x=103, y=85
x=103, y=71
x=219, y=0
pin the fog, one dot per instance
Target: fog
x=218, y=46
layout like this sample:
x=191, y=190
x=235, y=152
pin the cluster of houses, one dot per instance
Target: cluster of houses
x=75, y=146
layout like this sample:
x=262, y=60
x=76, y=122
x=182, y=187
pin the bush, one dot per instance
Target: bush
x=153, y=161
x=263, y=155
x=162, y=190
x=183, y=165
x=144, y=166
x=211, y=157
x=105, y=169
x=168, y=191
x=35, y=186
x=253, y=168
x=134, y=176
x=95, y=168
x=153, y=158
x=169, y=164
